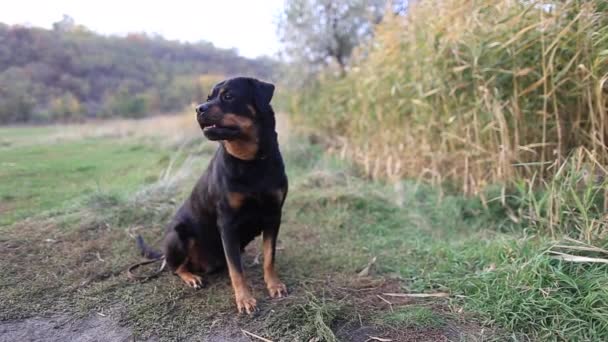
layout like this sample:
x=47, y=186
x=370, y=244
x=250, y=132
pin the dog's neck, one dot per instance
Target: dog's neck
x=260, y=142
x=259, y=174
x=241, y=149
x=252, y=149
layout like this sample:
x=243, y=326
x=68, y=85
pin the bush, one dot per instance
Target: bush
x=66, y=108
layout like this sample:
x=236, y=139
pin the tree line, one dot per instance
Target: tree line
x=70, y=73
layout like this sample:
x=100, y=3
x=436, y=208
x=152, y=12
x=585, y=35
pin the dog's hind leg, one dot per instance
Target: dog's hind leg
x=178, y=251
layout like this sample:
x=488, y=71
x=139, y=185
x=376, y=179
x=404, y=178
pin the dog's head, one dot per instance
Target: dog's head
x=237, y=109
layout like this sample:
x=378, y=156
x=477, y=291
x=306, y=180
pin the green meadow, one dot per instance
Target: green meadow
x=351, y=252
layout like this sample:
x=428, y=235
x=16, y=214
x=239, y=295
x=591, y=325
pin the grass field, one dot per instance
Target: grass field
x=51, y=167
x=348, y=249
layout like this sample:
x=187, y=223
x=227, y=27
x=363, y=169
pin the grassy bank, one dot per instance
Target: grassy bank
x=51, y=167
x=472, y=93
x=496, y=278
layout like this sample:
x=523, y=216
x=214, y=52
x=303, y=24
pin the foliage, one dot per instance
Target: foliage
x=471, y=92
x=317, y=31
x=489, y=259
x=70, y=73
x=573, y=202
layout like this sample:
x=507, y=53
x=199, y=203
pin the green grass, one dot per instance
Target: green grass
x=37, y=178
x=502, y=284
x=19, y=133
x=412, y=316
x=490, y=265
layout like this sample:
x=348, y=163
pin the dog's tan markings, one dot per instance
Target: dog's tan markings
x=251, y=109
x=275, y=286
x=242, y=149
x=244, y=123
x=236, y=199
x=188, y=277
x=245, y=147
x=242, y=294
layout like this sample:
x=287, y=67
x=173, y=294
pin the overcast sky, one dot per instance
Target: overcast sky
x=248, y=26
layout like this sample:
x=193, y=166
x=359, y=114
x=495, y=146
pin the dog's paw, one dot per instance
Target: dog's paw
x=246, y=304
x=192, y=280
x=277, y=290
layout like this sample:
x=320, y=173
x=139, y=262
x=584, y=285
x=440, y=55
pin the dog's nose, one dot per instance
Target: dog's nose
x=200, y=109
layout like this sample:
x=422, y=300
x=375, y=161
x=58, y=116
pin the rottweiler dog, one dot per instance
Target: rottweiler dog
x=238, y=197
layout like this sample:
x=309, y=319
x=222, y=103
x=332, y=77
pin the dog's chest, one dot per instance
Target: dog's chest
x=257, y=210
x=263, y=201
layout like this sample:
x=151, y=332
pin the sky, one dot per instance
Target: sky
x=248, y=26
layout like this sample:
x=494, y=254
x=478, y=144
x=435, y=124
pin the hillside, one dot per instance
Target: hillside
x=70, y=72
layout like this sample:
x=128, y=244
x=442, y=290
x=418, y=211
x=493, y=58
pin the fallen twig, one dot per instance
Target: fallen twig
x=365, y=271
x=247, y=333
x=583, y=248
x=99, y=257
x=256, y=259
x=374, y=338
x=576, y=258
x=390, y=305
x=418, y=295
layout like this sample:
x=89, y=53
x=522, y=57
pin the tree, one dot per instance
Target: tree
x=67, y=23
x=319, y=31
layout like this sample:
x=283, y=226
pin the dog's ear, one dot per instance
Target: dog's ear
x=262, y=95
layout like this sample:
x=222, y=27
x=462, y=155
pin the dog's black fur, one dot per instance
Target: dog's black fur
x=238, y=197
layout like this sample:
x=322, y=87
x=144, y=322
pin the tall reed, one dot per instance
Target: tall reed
x=471, y=92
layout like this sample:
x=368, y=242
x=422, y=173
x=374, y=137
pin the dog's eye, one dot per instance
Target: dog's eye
x=227, y=97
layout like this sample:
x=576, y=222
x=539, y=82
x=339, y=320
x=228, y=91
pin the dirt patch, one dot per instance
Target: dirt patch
x=62, y=328
x=367, y=333
x=94, y=328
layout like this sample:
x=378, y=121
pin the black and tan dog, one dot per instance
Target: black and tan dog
x=238, y=197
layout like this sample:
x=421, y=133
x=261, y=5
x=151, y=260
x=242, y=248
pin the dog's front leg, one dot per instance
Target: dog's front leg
x=232, y=250
x=275, y=286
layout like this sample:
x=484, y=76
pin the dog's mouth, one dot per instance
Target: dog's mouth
x=218, y=132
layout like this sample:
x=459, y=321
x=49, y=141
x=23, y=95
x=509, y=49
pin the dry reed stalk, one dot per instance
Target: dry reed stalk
x=475, y=92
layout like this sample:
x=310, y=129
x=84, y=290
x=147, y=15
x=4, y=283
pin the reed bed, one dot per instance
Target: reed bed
x=472, y=93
